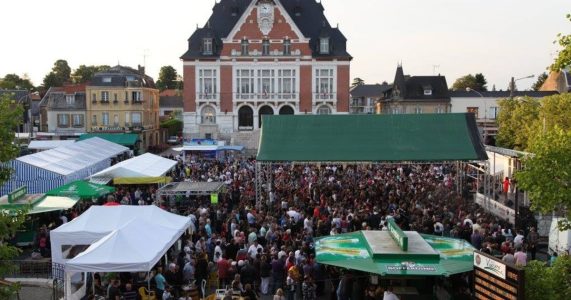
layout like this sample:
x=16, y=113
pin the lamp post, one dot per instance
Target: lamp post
x=512, y=84
x=469, y=89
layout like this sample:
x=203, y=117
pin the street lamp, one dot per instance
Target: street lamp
x=512, y=84
x=485, y=129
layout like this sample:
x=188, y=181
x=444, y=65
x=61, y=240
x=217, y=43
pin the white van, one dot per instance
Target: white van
x=559, y=241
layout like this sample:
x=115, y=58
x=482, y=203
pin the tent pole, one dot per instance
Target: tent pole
x=93, y=283
x=149, y=281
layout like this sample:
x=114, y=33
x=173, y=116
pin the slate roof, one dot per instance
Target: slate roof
x=119, y=78
x=502, y=94
x=170, y=102
x=307, y=15
x=413, y=87
x=370, y=90
x=16, y=94
x=54, y=99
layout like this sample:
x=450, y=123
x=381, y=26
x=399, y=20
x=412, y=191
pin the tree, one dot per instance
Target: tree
x=540, y=80
x=15, y=82
x=563, y=59
x=546, y=176
x=85, y=73
x=467, y=81
x=481, y=82
x=167, y=78
x=517, y=120
x=549, y=283
x=10, y=222
x=59, y=75
x=357, y=82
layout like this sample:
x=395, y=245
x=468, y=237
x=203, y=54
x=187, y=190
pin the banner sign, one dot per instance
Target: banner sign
x=397, y=234
x=214, y=198
x=494, y=279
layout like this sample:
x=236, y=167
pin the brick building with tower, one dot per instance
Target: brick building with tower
x=262, y=57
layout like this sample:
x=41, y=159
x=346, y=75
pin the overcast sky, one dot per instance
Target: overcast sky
x=499, y=38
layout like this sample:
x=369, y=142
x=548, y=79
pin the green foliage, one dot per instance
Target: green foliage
x=85, y=73
x=517, y=120
x=15, y=82
x=540, y=80
x=168, y=78
x=173, y=126
x=549, y=283
x=357, y=82
x=59, y=75
x=476, y=82
x=10, y=117
x=547, y=173
x=563, y=59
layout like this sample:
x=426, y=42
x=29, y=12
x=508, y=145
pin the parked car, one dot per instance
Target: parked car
x=173, y=140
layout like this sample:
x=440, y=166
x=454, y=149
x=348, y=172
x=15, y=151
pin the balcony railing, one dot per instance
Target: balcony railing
x=324, y=96
x=208, y=120
x=266, y=96
x=203, y=96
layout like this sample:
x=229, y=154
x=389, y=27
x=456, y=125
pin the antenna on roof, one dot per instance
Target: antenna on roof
x=145, y=54
x=434, y=68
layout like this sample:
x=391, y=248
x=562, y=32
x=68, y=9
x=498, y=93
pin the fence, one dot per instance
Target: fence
x=42, y=269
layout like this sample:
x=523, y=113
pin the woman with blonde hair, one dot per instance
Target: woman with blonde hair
x=279, y=295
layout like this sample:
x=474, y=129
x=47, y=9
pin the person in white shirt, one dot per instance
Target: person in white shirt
x=389, y=295
x=308, y=224
x=253, y=250
x=518, y=240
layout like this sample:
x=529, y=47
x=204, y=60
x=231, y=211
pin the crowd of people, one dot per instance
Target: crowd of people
x=251, y=250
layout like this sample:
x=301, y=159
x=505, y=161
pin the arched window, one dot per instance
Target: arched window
x=324, y=110
x=245, y=118
x=286, y=110
x=208, y=115
x=264, y=110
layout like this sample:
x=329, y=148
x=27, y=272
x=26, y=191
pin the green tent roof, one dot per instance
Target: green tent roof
x=125, y=139
x=353, y=251
x=361, y=138
x=81, y=189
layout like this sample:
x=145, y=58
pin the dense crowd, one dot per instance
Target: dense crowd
x=268, y=250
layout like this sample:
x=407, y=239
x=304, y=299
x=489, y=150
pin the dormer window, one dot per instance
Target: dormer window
x=70, y=99
x=106, y=80
x=427, y=90
x=324, y=45
x=207, y=46
x=266, y=47
x=244, y=47
x=287, y=47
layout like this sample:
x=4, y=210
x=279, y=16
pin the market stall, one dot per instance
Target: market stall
x=82, y=189
x=50, y=169
x=144, y=169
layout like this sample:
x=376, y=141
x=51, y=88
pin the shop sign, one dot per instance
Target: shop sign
x=17, y=194
x=490, y=265
x=398, y=235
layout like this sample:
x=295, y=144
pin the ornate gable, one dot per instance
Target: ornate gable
x=265, y=19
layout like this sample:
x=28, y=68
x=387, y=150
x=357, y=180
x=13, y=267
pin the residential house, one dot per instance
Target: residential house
x=485, y=106
x=170, y=104
x=366, y=98
x=558, y=81
x=262, y=57
x=63, y=112
x=124, y=100
x=417, y=94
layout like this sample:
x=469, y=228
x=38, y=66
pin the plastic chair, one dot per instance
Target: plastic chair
x=203, y=287
x=146, y=294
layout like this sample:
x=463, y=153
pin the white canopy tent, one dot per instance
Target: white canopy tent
x=49, y=144
x=146, y=165
x=140, y=243
x=100, y=221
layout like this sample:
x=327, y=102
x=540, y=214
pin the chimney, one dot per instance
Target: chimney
x=141, y=69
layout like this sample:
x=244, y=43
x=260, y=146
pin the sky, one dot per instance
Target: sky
x=499, y=38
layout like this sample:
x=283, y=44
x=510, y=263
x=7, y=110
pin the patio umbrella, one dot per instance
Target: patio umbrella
x=81, y=189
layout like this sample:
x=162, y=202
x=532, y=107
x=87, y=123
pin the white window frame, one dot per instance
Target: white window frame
x=324, y=45
x=245, y=47
x=77, y=120
x=62, y=120
x=418, y=109
x=208, y=115
x=428, y=92
x=105, y=118
x=395, y=111
x=245, y=83
x=287, y=84
x=135, y=116
x=106, y=79
x=494, y=112
x=266, y=81
x=324, y=83
x=70, y=99
x=207, y=84
x=207, y=46
x=127, y=119
x=287, y=47
x=440, y=110
x=323, y=110
x=265, y=47
x=104, y=96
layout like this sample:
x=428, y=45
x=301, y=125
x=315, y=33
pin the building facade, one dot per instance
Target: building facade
x=64, y=112
x=124, y=100
x=262, y=57
x=366, y=98
x=485, y=106
x=417, y=95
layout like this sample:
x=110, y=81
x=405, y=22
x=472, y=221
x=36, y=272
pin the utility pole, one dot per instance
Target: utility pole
x=512, y=88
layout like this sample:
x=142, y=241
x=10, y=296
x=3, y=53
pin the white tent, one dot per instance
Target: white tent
x=50, y=169
x=136, y=247
x=49, y=144
x=146, y=165
x=99, y=221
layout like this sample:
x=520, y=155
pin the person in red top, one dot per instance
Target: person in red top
x=223, y=268
x=506, y=185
